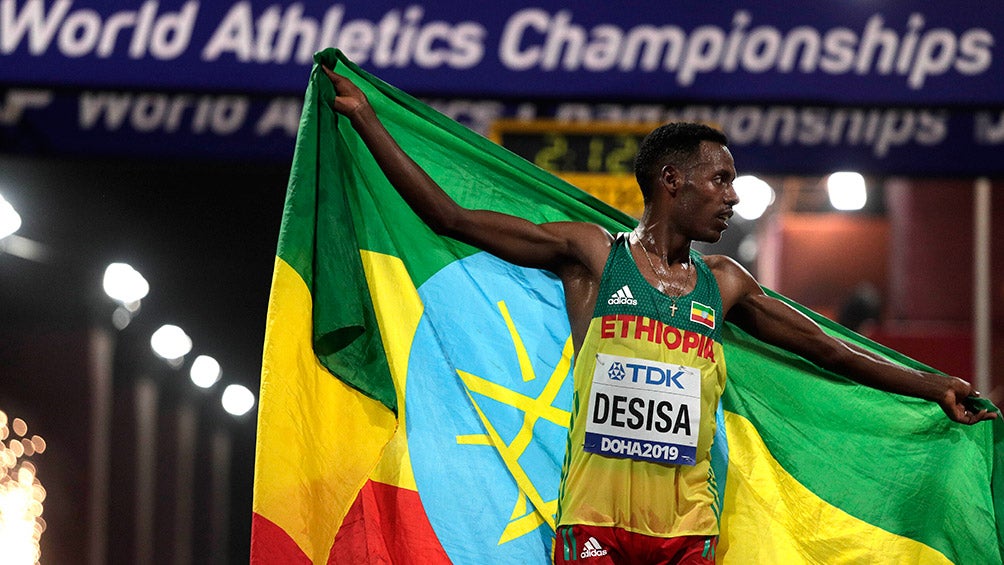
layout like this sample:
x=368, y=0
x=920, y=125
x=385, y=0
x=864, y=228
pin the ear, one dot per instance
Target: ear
x=670, y=178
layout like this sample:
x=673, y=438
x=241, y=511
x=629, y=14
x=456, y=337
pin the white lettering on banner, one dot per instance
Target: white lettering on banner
x=83, y=31
x=769, y=126
x=220, y=115
x=989, y=128
x=880, y=129
x=18, y=100
x=535, y=39
x=782, y=126
x=530, y=39
x=399, y=39
x=282, y=114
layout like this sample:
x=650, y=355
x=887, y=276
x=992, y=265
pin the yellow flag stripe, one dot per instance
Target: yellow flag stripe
x=765, y=510
x=318, y=439
x=398, y=312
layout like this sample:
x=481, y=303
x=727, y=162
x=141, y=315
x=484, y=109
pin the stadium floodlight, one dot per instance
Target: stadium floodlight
x=170, y=342
x=847, y=190
x=755, y=195
x=124, y=284
x=205, y=371
x=237, y=400
x=10, y=220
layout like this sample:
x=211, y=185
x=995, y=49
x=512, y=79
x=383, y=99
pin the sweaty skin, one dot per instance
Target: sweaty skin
x=687, y=204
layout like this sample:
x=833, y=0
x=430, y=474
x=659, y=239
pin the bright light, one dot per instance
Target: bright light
x=847, y=190
x=21, y=496
x=125, y=284
x=10, y=220
x=755, y=196
x=237, y=400
x=205, y=371
x=170, y=342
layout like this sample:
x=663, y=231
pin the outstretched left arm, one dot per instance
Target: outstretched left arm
x=777, y=323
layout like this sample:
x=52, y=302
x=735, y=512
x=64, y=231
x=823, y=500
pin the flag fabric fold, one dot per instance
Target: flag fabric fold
x=416, y=392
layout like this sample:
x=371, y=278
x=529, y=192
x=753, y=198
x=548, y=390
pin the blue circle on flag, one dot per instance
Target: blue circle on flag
x=486, y=410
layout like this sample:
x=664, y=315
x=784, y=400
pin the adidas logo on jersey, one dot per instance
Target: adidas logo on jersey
x=623, y=296
x=592, y=547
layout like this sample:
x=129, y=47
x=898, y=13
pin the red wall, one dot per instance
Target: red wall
x=818, y=259
x=919, y=255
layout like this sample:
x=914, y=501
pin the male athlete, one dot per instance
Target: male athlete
x=644, y=308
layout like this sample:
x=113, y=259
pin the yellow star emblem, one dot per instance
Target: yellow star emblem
x=523, y=520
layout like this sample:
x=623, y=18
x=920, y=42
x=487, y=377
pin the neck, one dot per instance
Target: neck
x=663, y=242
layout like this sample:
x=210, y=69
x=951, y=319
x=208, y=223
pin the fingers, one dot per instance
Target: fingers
x=982, y=414
x=959, y=403
x=335, y=78
x=962, y=409
x=349, y=99
x=974, y=416
x=338, y=80
x=343, y=86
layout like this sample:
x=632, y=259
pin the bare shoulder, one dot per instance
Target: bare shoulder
x=734, y=282
x=725, y=266
x=589, y=243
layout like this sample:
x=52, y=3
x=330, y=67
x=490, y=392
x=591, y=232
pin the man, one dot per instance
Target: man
x=646, y=314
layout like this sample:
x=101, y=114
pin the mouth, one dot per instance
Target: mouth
x=725, y=216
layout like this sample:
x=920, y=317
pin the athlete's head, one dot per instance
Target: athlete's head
x=675, y=144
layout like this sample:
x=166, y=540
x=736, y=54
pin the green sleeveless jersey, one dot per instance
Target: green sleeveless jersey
x=648, y=378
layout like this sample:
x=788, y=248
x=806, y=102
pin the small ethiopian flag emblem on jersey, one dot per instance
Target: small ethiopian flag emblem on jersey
x=702, y=314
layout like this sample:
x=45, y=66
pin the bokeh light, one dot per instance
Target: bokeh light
x=205, y=371
x=124, y=283
x=21, y=495
x=10, y=220
x=847, y=190
x=755, y=195
x=237, y=400
x=170, y=342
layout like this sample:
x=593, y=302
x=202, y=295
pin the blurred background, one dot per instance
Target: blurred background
x=145, y=150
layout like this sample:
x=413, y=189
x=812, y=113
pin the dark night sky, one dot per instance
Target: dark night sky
x=204, y=236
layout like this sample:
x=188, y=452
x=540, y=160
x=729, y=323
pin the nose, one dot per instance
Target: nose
x=731, y=196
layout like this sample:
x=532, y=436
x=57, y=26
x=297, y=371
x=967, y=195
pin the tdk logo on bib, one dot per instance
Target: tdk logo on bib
x=652, y=375
x=616, y=372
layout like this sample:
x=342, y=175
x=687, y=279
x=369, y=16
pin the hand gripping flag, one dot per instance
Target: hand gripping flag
x=416, y=392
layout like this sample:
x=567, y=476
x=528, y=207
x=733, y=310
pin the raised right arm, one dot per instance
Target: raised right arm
x=555, y=247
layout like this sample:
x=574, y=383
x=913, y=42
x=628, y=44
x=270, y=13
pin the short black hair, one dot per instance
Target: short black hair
x=673, y=144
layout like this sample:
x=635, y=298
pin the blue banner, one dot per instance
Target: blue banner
x=771, y=138
x=834, y=51
x=886, y=87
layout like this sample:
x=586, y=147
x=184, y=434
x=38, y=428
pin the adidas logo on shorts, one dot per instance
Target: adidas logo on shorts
x=623, y=296
x=592, y=547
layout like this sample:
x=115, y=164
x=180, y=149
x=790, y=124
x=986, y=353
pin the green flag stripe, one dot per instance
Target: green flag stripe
x=989, y=505
x=317, y=240
x=476, y=172
x=902, y=451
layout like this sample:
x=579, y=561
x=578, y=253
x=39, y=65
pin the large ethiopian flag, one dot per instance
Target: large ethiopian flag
x=415, y=392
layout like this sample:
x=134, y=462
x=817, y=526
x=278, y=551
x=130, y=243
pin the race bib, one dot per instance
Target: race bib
x=644, y=410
